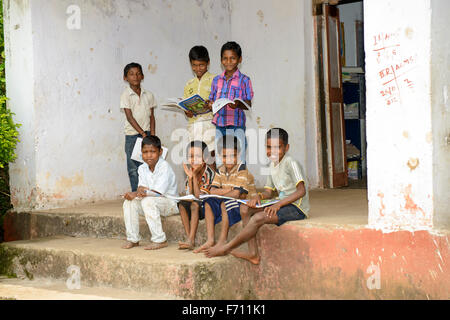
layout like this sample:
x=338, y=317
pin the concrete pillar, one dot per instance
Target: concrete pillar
x=408, y=166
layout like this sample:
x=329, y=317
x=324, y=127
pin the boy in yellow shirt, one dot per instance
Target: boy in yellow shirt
x=200, y=127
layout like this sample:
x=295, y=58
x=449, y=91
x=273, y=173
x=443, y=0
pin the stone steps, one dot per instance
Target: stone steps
x=51, y=289
x=165, y=272
x=103, y=220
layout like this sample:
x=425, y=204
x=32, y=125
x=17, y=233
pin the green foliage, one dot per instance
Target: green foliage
x=8, y=133
x=8, y=129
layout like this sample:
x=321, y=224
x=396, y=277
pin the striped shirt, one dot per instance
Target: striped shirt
x=239, y=178
x=238, y=86
x=204, y=183
x=284, y=177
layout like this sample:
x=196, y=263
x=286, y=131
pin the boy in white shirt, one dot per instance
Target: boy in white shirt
x=138, y=105
x=154, y=174
x=286, y=177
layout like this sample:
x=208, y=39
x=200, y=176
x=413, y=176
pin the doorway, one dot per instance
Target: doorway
x=341, y=77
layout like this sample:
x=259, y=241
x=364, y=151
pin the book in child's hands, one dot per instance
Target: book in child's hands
x=264, y=203
x=222, y=102
x=195, y=104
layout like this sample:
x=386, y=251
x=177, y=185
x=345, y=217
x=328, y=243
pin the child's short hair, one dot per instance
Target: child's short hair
x=198, y=144
x=228, y=142
x=231, y=45
x=130, y=66
x=151, y=141
x=279, y=133
x=199, y=53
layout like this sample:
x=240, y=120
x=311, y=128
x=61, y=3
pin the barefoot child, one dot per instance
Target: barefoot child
x=199, y=179
x=286, y=176
x=200, y=127
x=154, y=174
x=138, y=105
x=232, y=180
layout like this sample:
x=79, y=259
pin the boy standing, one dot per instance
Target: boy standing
x=232, y=180
x=200, y=127
x=286, y=176
x=154, y=174
x=199, y=179
x=231, y=84
x=138, y=105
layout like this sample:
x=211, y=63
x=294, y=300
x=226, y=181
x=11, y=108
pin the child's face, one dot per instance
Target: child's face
x=276, y=149
x=199, y=67
x=229, y=158
x=196, y=158
x=151, y=154
x=134, y=77
x=230, y=60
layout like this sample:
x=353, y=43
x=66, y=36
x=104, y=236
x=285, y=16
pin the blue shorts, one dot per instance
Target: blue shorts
x=187, y=206
x=289, y=212
x=233, y=211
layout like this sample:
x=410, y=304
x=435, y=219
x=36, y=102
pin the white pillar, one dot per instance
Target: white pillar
x=401, y=125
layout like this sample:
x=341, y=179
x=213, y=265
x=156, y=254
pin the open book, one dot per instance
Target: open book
x=195, y=104
x=222, y=102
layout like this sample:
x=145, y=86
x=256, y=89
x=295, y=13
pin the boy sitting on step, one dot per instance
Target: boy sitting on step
x=231, y=180
x=286, y=177
x=154, y=174
x=199, y=179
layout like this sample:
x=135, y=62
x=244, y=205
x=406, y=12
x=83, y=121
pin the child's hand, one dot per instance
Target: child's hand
x=189, y=113
x=209, y=104
x=272, y=210
x=142, y=192
x=130, y=195
x=188, y=170
x=252, y=203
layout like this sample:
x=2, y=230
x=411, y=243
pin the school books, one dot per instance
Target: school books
x=195, y=104
x=136, y=155
x=264, y=203
x=222, y=102
x=203, y=197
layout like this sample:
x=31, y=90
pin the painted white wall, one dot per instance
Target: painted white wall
x=440, y=102
x=66, y=86
x=72, y=145
x=399, y=134
x=277, y=45
x=349, y=13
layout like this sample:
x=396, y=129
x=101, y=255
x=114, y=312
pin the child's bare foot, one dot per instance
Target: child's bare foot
x=156, y=246
x=206, y=245
x=129, y=245
x=246, y=256
x=216, y=251
x=186, y=245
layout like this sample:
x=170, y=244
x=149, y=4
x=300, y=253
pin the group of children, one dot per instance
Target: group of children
x=220, y=136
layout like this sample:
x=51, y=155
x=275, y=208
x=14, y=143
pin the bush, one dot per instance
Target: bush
x=8, y=134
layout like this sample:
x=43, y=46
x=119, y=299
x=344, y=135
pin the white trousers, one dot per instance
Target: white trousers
x=152, y=208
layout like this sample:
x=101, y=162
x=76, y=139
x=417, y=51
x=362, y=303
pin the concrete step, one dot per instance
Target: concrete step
x=51, y=289
x=100, y=220
x=102, y=262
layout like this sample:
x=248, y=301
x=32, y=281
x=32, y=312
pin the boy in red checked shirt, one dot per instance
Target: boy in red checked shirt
x=231, y=84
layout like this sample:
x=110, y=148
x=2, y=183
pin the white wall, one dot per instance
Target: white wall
x=72, y=133
x=349, y=13
x=440, y=92
x=399, y=125
x=65, y=89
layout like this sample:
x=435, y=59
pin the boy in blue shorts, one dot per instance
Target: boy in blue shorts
x=231, y=84
x=286, y=176
x=231, y=180
x=199, y=179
